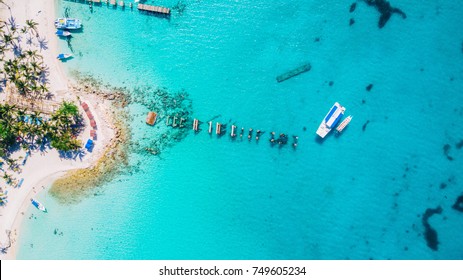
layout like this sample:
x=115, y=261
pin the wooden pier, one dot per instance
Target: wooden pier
x=151, y=118
x=210, y=127
x=218, y=129
x=196, y=125
x=154, y=9
x=122, y=4
x=232, y=133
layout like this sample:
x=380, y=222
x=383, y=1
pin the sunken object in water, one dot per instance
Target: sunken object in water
x=294, y=72
x=352, y=7
x=459, y=145
x=430, y=234
x=386, y=10
x=458, y=205
x=365, y=125
x=447, y=151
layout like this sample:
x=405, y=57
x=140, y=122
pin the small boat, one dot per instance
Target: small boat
x=63, y=56
x=68, y=23
x=62, y=33
x=331, y=119
x=38, y=205
x=343, y=124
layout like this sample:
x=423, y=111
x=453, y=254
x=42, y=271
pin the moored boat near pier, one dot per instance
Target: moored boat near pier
x=343, y=124
x=331, y=119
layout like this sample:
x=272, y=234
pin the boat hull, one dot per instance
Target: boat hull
x=63, y=33
x=64, y=56
x=38, y=205
x=330, y=120
x=68, y=23
x=343, y=124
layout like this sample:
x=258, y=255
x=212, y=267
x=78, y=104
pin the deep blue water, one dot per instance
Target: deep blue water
x=358, y=196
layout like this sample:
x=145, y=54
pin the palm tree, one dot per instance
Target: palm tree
x=3, y=2
x=7, y=39
x=68, y=109
x=32, y=26
x=43, y=90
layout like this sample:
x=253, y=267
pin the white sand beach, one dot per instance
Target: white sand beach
x=42, y=168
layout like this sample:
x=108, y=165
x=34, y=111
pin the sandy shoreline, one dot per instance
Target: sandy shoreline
x=41, y=169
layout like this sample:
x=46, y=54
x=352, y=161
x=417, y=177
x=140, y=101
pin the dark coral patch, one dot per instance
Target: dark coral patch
x=447, y=151
x=365, y=125
x=351, y=22
x=352, y=7
x=459, y=145
x=430, y=234
x=458, y=205
x=369, y=87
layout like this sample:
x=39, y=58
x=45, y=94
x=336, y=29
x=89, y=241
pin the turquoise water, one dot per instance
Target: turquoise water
x=358, y=196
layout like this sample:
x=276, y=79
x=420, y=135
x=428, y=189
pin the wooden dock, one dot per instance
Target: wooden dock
x=151, y=118
x=294, y=72
x=154, y=9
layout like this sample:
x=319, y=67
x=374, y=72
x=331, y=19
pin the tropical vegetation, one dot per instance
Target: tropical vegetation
x=32, y=130
x=21, y=63
x=22, y=66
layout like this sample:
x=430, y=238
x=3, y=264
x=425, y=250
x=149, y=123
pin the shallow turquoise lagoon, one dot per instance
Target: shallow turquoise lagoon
x=358, y=196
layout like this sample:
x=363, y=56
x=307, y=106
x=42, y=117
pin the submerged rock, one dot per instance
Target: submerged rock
x=351, y=22
x=352, y=7
x=365, y=125
x=459, y=145
x=458, y=205
x=369, y=87
x=386, y=11
x=447, y=151
x=430, y=234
